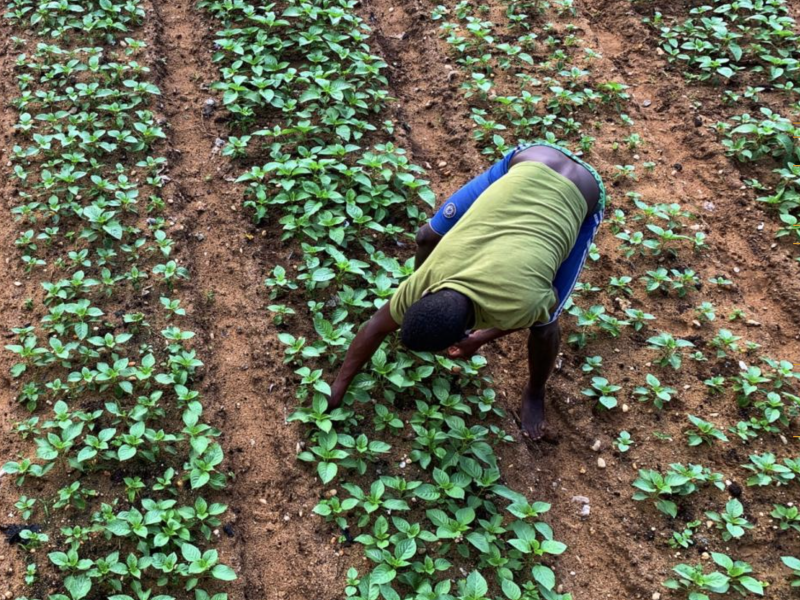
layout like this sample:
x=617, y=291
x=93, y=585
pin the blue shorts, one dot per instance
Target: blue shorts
x=569, y=271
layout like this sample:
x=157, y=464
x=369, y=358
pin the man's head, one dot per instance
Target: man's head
x=437, y=321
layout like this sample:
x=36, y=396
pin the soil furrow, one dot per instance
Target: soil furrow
x=282, y=550
x=711, y=183
x=15, y=288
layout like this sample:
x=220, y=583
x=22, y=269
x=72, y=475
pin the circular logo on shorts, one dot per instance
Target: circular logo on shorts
x=450, y=210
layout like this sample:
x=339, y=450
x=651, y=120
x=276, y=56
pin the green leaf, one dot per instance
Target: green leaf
x=126, y=452
x=114, y=229
x=544, y=576
x=511, y=590
x=327, y=471
x=668, y=508
x=752, y=585
x=479, y=541
x=381, y=574
x=406, y=549
x=322, y=274
x=427, y=196
x=223, y=573
x=59, y=559
x=78, y=586
x=791, y=562
x=476, y=586
x=199, y=479
x=190, y=553
x=553, y=547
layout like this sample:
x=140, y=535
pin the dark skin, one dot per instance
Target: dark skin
x=543, y=342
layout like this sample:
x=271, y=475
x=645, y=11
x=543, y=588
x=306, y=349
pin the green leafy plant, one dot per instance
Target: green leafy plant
x=794, y=564
x=669, y=349
x=787, y=516
x=703, y=432
x=603, y=391
x=624, y=441
x=730, y=520
x=653, y=390
x=685, y=538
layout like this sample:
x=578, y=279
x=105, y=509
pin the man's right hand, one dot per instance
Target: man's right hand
x=361, y=349
x=467, y=347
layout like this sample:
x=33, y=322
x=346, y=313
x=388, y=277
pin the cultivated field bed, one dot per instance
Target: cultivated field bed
x=267, y=165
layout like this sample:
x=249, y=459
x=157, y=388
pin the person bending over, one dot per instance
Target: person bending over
x=501, y=255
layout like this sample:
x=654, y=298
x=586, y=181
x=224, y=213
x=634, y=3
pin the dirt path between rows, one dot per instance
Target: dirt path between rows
x=281, y=550
x=15, y=287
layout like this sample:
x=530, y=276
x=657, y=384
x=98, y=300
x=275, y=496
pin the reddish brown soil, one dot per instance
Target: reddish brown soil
x=14, y=289
x=284, y=553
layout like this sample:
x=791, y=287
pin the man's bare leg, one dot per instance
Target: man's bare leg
x=543, y=344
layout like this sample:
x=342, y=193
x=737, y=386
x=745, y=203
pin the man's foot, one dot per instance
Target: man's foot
x=532, y=421
x=532, y=414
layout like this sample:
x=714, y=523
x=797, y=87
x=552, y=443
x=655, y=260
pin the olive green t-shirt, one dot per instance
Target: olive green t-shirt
x=504, y=253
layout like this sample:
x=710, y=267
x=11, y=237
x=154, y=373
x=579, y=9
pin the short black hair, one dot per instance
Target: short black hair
x=436, y=321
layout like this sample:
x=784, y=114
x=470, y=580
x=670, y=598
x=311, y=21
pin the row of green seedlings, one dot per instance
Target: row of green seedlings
x=774, y=406
x=734, y=45
x=99, y=379
x=680, y=481
x=534, y=87
x=751, y=48
x=773, y=409
x=345, y=196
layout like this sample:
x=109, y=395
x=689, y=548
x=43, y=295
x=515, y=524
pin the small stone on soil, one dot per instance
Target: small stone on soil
x=597, y=445
x=208, y=107
x=601, y=463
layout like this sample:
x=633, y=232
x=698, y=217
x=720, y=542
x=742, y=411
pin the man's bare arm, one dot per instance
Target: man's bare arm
x=427, y=239
x=363, y=346
x=471, y=344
